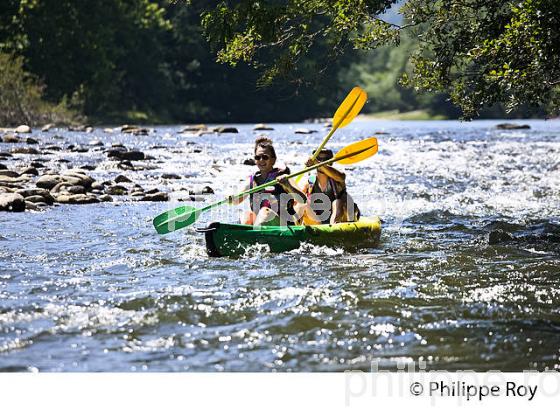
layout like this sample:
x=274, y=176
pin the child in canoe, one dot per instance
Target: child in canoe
x=327, y=199
x=275, y=205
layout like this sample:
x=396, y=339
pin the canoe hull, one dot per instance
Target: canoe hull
x=233, y=239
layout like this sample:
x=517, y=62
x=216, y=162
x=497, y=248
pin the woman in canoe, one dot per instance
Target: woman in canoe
x=327, y=199
x=275, y=205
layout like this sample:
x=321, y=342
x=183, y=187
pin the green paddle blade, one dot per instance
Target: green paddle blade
x=177, y=218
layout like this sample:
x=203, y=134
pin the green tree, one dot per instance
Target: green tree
x=480, y=52
x=108, y=51
x=21, y=95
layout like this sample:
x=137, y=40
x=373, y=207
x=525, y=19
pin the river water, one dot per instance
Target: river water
x=94, y=288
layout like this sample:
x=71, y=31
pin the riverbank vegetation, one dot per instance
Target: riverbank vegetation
x=155, y=61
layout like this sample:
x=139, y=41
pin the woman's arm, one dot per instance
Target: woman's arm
x=235, y=200
x=329, y=171
x=291, y=189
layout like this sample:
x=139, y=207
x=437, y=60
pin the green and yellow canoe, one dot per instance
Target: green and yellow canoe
x=233, y=239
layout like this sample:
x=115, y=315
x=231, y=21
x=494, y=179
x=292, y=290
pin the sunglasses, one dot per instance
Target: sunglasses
x=263, y=157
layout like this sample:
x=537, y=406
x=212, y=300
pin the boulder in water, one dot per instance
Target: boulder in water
x=12, y=202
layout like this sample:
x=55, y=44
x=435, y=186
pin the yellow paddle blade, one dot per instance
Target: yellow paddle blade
x=366, y=149
x=350, y=107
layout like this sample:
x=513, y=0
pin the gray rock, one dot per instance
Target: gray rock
x=126, y=166
x=79, y=128
x=96, y=143
x=76, y=189
x=53, y=148
x=30, y=171
x=105, y=198
x=32, y=192
x=152, y=191
x=122, y=179
x=170, y=176
x=194, y=128
x=97, y=186
x=68, y=178
x=304, y=131
x=49, y=181
x=30, y=140
x=88, y=167
x=249, y=161
x=7, y=180
x=509, y=126
x=116, y=190
x=84, y=180
x=78, y=148
x=31, y=206
x=47, y=127
x=2, y=166
x=12, y=203
x=204, y=191
x=25, y=150
x=7, y=173
x=226, y=130
x=78, y=199
x=34, y=198
x=157, y=197
x=23, y=129
x=126, y=155
x=135, y=130
x=262, y=127
x=10, y=139
x=37, y=164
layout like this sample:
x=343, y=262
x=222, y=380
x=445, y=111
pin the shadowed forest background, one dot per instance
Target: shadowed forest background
x=107, y=61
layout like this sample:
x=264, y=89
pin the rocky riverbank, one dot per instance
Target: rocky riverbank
x=41, y=168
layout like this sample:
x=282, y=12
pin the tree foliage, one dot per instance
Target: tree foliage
x=481, y=52
x=21, y=97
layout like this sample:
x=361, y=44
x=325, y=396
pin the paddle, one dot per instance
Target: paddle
x=343, y=116
x=184, y=216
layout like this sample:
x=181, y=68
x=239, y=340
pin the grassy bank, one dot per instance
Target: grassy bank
x=416, y=115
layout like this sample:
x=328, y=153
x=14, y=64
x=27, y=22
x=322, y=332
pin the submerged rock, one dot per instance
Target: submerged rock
x=509, y=126
x=498, y=236
x=126, y=155
x=304, y=131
